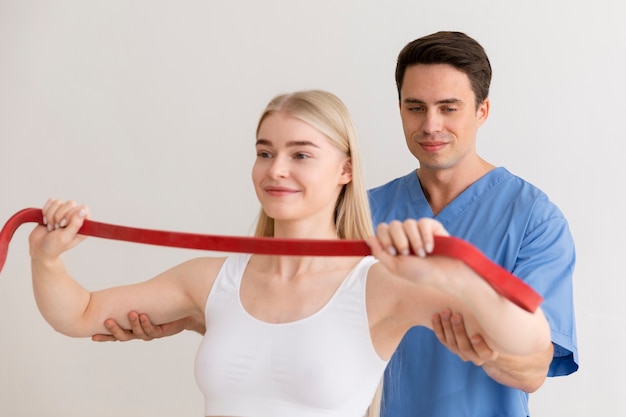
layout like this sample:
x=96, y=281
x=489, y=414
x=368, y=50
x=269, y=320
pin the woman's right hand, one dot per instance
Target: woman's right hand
x=62, y=221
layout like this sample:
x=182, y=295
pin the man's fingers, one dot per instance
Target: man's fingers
x=482, y=349
x=460, y=334
x=103, y=338
x=443, y=330
x=117, y=332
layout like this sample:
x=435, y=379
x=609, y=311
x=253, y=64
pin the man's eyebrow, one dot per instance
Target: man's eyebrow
x=290, y=143
x=443, y=101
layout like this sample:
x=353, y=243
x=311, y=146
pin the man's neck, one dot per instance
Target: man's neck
x=441, y=186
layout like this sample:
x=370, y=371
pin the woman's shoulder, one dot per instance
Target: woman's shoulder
x=197, y=276
x=201, y=270
x=399, y=294
x=204, y=262
x=383, y=285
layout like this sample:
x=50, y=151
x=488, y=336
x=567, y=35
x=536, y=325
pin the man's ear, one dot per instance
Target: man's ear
x=346, y=173
x=483, y=111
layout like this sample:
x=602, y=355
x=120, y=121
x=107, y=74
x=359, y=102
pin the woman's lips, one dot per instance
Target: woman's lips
x=279, y=191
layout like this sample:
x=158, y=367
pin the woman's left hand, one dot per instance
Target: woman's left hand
x=395, y=240
x=417, y=236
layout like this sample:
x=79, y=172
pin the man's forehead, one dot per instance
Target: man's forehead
x=439, y=84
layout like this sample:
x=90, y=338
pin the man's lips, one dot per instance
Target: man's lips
x=432, y=146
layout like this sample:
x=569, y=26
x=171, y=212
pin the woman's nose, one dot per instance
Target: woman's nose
x=278, y=167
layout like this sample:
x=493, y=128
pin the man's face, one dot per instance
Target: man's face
x=439, y=116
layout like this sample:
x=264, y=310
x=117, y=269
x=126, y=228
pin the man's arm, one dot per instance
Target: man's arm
x=143, y=328
x=526, y=373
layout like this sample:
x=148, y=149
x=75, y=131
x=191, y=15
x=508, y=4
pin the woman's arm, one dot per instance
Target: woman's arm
x=438, y=282
x=74, y=311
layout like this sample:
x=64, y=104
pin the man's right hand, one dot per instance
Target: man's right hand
x=143, y=328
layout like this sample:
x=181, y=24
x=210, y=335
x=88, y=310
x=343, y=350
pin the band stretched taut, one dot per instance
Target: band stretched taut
x=505, y=283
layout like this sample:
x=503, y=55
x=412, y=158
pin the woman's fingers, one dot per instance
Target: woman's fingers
x=428, y=229
x=392, y=238
x=59, y=214
x=417, y=236
x=64, y=218
x=56, y=213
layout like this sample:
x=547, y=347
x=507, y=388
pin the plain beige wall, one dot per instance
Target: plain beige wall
x=146, y=111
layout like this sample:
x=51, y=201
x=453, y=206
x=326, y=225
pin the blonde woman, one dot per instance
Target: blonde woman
x=313, y=334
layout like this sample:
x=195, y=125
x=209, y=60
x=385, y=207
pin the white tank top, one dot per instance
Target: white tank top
x=322, y=365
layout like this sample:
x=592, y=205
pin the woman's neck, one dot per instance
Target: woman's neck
x=304, y=230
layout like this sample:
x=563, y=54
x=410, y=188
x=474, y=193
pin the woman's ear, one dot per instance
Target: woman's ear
x=346, y=173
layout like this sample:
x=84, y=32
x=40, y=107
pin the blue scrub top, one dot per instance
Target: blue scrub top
x=517, y=226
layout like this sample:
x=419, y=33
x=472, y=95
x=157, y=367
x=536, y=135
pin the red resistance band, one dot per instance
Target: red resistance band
x=505, y=283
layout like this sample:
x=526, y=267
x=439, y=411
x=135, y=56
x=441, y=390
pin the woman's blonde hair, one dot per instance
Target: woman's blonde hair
x=326, y=112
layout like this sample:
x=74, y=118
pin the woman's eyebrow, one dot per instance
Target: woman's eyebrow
x=267, y=142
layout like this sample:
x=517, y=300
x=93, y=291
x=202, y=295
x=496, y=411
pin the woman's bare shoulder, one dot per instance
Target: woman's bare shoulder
x=407, y=301
x=202, y=267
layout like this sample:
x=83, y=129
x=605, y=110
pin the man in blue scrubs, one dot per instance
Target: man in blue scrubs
x=443, y=86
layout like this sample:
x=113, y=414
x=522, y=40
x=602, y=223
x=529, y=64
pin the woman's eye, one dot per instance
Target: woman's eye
x=263, y=154
x=301, y=156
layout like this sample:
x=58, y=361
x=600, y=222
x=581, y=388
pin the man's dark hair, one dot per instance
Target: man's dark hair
x=451, y=48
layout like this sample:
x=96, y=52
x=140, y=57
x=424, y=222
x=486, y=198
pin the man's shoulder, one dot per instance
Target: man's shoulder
x=394, y=184
x=398, y=199
x=526, y=193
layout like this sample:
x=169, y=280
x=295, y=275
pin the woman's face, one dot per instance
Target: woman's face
x=298, y=173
